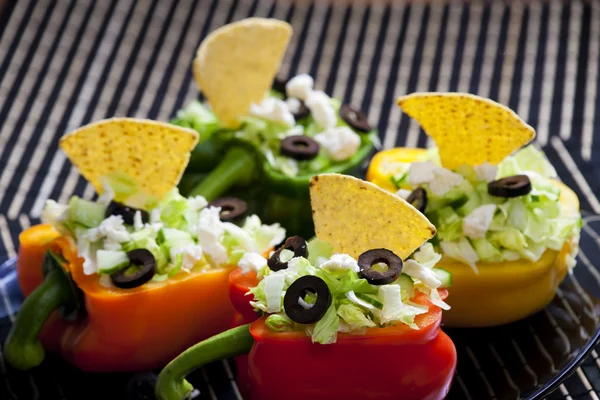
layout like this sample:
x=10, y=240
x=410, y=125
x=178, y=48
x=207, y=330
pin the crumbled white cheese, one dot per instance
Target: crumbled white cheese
x=293, y=104
x=251, y=261
x=339, y=143
x=422, y=273
x=197, y=203
x=476, y=224
x=111, y=245
x=321, y=109
x=339, y=262
x=274, y=110
x=111, y=228
x=485, y=172
x=403, y=193
x=138, y=224
x=421, y=172
x=300, y=86
x=54, y=213
x=192, y=253
x=444, y=181
x=440, y=180
x=210, y=232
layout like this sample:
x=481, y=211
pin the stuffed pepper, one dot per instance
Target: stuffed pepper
x=263, y=138
x=507, y=228
x=129, y=280
x=364, y=295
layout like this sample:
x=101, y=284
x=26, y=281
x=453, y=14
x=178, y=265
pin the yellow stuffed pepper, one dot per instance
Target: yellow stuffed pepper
x=507, y=229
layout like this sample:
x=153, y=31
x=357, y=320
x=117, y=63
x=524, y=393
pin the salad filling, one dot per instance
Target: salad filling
x=322, y=293
x=179, y=235
x=491, y=213
x=295, y=109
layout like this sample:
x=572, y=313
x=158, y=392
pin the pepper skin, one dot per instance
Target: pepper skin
x=126, y=329
x=239, y=285
x=387, y=363
x=502, y=292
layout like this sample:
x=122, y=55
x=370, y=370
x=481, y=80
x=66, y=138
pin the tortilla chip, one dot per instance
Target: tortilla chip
x=467, y=129
x=355, y=216
x=154, y=154
x=236, y=64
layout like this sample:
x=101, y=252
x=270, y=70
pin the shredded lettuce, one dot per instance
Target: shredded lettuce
x=473, y=225
x=319, y=251
x=198, y=117
x=393, y=307
x=279, y=322
x=182, y=233
x=325, y=330
x=528, y=159
x=461, y=250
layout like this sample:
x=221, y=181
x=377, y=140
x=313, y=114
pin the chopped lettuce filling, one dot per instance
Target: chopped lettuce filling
x=356, y=305
x=474, y=226
x=272, y=120
x=182, y=233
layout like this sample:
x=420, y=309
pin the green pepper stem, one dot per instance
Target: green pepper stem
x=237, y=165
x=23, y=349
x=171, y=383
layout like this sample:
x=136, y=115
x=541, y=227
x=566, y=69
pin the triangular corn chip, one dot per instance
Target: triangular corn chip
x=467, y=129
x=153, y=154
x=236, y=64
x=355, y=216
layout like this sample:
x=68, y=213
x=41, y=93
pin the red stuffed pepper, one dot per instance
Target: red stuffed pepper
x=332, y=308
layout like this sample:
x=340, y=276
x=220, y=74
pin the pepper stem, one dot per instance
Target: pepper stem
x=237, y=166
x=171, y=383
x=23, y=349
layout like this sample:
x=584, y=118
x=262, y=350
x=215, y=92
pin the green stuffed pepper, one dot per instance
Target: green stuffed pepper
x=287, y=134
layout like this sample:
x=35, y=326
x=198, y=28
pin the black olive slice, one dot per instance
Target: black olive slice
x=355, y=118
x=300, y=288
x=297, y=244
x=141, y=386
x=370, y=258
x=116, y=208
x=279, y=85
x=232, y=208
x=511, y=186
x=418, y=199
x=141, y=271
x=299, y=147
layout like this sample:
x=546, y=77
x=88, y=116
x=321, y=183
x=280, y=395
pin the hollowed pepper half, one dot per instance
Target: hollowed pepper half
x=499, y=292
x=119, y=329
x=388, y=362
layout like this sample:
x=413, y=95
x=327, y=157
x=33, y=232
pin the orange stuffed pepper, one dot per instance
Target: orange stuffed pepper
x=115, y=287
